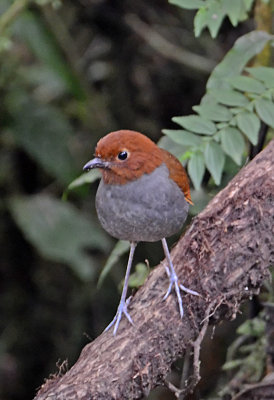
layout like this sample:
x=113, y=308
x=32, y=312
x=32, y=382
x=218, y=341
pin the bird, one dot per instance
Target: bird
x=143, y=196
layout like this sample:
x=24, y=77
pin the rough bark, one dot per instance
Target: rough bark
x=224, y=255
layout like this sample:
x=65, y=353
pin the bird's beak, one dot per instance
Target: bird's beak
x=95, y=163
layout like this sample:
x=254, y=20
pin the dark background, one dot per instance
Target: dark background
x=69, y=76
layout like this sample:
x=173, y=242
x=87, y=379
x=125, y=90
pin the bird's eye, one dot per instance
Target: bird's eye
x=122, y=155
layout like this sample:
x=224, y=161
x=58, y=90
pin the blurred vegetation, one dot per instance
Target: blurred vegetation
x=70, y=72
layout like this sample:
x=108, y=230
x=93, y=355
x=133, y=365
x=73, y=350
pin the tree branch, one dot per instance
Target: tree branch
x=224, y=255
x=168, y=49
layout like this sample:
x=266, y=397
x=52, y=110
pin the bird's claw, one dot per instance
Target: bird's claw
x=167, y=271
x=122, y=309
x=173, y=281
x=185, y=289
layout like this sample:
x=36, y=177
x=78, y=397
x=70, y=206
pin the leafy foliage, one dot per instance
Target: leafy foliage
x=59, y=232
x=139, y=276
x=211, y=13
x=85, y=179
x=246, y=354
x=230, y=113
x=119, y=249
x=45, y=136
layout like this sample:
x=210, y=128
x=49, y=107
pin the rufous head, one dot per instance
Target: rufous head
x=126, y=155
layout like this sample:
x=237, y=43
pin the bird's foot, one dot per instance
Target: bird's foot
x=122, y=309
x=173, y=281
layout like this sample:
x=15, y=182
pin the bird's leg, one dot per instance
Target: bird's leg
x=173, y=280
x=122, y=308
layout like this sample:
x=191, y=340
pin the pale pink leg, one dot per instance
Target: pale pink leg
x=173, y=280
x=122, y=308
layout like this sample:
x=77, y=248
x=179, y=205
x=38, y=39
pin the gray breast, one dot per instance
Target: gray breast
x=148, y=209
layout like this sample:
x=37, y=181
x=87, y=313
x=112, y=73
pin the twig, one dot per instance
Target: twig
x=189, y=388
x=186, y=368
x=67, y=44
x=11, y=13
x=222, y=299
x=167, y=49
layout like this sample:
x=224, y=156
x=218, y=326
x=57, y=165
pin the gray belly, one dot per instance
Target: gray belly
x=147, y=209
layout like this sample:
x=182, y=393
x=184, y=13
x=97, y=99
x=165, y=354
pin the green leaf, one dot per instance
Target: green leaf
x=45, y=134
x=247, y=84
x=252, y=327
x=232, y=364
x=246, y=47
x=212, y=13
x=188, y=4
x=221, y=125
x=269, y=95
x=138, y=277
x=86, y=178
x=233, y=143
x=264, y=74
x=229, y=97
x=196, y=124
x=250, y=107
x=265, y=110
x=235, y=10
x=119, y=249
x=214, y=112
x=174, y=148
x=31, y=28
x=216, y=15
x=59, y=231
x=196, y=169
x=44, y=79
x=236, y=110
x=249, y=124
x=185, y=156
x=214, y=160
x=183, y=137
x=200, y=21
x=248, y=4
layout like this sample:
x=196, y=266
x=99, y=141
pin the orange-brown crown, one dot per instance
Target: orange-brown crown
x=143, y=157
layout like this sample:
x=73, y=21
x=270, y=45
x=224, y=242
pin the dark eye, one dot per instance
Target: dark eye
x=122, y=155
